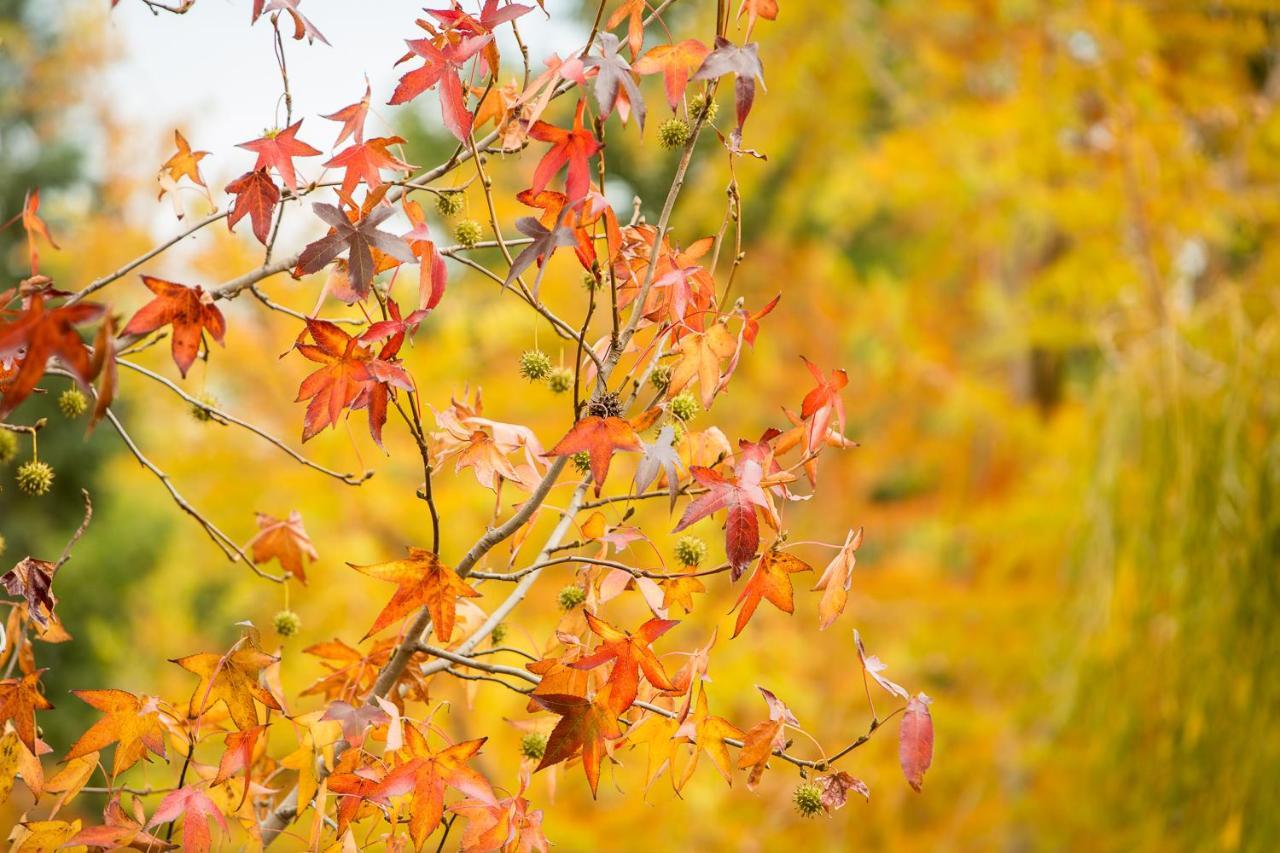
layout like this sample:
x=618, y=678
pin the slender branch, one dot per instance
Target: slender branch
x=80, y=531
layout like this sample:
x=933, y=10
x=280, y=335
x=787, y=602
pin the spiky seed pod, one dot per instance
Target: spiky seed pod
x=498, y=634
x=683, y=406
x=606, y=405
x=808, y=799
x=8, y=446
x=674, y=133
x=560, y=379
x=287, y=623
x=449, y=204
x=702, y=105
x=660, y=378
x=72, y=403
x=201, y=411
x=571, y=596
x=535, y=365
x=533, y=746
x=35, y=478
x=468, y=233
x=589, y=281
x=581, y=461
x=691, y=551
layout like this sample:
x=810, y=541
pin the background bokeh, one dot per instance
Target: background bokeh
x=1038, y=236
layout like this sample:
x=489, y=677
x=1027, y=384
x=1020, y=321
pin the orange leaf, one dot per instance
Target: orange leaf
x=771, y=581
x=286, y=541
x=630, y=655
x=421, y=580
x=20, y=698
x=131, y=722
x=231, y=679
x=600, y=438
x=191, y=312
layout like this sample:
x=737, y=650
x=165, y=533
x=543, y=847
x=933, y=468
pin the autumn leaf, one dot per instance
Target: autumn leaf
x=630, y=654
x=184, y=161
x=660, y=456
x=368, y=785
x=599, y=438
x=20, y=698
x=673, y=62
x=760, y=741
x=873, y=666
x=543, y=244
x=32, y=579
x=434, y=770
x=740, y=497
x=836, y=787
x=708, y=733
x=441, y=66
x=574, y=147
x=915, y=740
x=743, y=62
x=43, y=836
x=754, y=9
x=771, y=582
x=823, y=403
x=231, y=679
x=421, y=581
x=131, y=722
x=352, y=118
x=631, y=11
x=613, y=79
x=276, y=150
x=357, y=239
x=585, y=725
x=35, y=227
x=38, y=334
x=256, y=197
x=700, y=357
x=364, y=160
x=284, y=540
x=195, y=808
x=302, y=26
x=836, y=580
x=336, y=385
x=119, y=830
x=191, y=312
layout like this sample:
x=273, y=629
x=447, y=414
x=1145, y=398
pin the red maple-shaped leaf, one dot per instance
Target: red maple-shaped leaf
x=285, y=540
x=630, y=654
x=368, y=784
x=440, y=66
x=674, y=62
x=20, y=698
x=256, y=197
x=276, y=150
x=352, y=118
x=599, y=438
x=823, y=403
x=38, y=334
x=434, y=770
x=740, y=497
x=191, y=312
x=771, y=582
x=131, y=722
x=195, y=808
x=574, y=147
x=915, y=740
x=421, y=581
x=585, y=725
x=364, y=160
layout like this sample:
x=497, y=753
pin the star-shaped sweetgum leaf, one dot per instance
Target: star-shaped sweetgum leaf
x=421, y=581
x=188, y=309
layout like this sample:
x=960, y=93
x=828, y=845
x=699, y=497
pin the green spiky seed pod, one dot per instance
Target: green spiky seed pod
x=72, y=403
x=287, y=623
x=468, y=233
x=581, y=461
x=589, y=281
x=533, y=746
x=683, y=406
x=701, y=107
x=449, y=204
x=808, y=799
x=571, y=596
x=200, y=410
x=560, y=379
x=35, y=478
x=691, y=551
x=535, y=365
x=674, y=133
x=498, y=634
x=606, y=405
x=660, y=378
x=8, y=446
